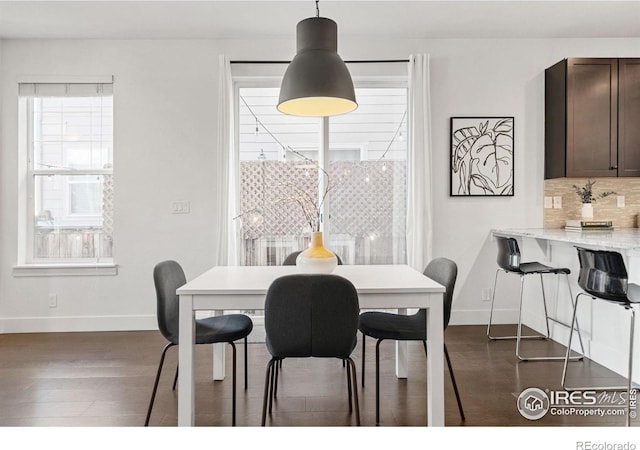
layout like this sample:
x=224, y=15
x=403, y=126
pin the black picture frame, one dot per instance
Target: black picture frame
x=481, y=156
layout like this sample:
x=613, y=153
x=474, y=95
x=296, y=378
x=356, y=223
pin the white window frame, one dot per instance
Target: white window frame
x=27, y=264
x=269, y=80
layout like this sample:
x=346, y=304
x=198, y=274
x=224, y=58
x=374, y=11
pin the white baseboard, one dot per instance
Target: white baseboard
x=77, y=323
x=481, y=316
x=97, y=324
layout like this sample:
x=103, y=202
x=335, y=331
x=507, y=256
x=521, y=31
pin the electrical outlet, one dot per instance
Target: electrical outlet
x=53, y=300
x=486, y=294
x=620, y=201
x=180, y=207
x=548, y=202
x=557, y=202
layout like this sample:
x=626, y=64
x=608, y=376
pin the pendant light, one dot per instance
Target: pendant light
x=317, y=82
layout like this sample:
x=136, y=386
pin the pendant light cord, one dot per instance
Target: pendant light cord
x=317, y=8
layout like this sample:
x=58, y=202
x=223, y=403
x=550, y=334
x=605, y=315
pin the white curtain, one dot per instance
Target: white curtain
x=226, y=172
x=419, y=209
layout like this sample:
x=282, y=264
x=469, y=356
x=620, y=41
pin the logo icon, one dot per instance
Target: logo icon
x=533, y=403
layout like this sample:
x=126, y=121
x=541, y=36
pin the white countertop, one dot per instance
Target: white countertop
x=620, y=239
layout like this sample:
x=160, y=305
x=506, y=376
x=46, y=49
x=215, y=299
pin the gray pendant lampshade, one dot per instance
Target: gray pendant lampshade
x=317, y=82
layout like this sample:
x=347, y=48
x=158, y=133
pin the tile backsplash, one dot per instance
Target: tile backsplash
x=603, y=208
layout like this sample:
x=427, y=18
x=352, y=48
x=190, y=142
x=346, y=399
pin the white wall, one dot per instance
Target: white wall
x=165, y=114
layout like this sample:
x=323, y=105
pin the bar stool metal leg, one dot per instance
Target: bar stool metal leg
x=547, y=319
x=493, y=298
x=630, y=380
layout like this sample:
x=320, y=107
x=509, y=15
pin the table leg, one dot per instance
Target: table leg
x=186, y=349
x=401, y=353
x=435, y=364
x=218, y=356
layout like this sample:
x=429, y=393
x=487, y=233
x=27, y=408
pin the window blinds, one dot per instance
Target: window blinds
x=65, y=89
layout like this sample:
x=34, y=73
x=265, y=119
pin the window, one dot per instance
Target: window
x=365, y=157
x=66, y=143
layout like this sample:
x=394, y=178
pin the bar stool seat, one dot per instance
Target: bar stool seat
x=536, y=267
x=603, y=276
x=508, y=260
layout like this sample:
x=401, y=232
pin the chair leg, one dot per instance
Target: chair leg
x=267, y=388
x=519, y=329
x=630, y=379
x=566, y=359
x=566, y=277
x=547, y=319
x=233, y=384
x=378, y=382
x=493, y=299
x=355, y=389
x=453, y=381
x=274, y=393
x=155, y=385
x=246, y=370
x=246, y=364
x=363, y=354
x=453, y=378
x=544, y=304
x=273, y=383
x=348, y=384
x=563, y=381
x=175, y=379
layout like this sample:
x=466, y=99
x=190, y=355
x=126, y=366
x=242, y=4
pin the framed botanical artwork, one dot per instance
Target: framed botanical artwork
x=481, y=156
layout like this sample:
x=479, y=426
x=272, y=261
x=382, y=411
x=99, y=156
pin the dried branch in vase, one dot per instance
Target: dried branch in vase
x=586, y=192
x=309, y=202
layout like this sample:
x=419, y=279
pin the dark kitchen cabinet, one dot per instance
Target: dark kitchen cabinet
x=592, y=111
x=629, y=117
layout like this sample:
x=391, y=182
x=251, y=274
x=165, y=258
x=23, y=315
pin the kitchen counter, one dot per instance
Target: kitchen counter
x=625, y=240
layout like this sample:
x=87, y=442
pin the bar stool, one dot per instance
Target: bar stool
x=509, y=262
x=603, y=276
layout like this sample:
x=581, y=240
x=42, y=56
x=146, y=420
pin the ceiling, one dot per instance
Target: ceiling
x=241, y=19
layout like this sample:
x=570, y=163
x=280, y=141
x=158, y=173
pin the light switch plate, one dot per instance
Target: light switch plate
x=620, y=201
x=557, y=202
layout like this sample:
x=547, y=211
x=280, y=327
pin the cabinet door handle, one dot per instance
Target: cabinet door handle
x=613, y=168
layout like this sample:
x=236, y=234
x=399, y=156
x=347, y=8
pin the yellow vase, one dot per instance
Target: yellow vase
x=317, y=258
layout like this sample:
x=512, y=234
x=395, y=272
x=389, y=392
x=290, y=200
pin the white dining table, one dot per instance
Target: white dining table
x=238, y=288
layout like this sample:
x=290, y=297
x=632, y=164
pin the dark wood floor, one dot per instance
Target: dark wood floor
x=105, y=380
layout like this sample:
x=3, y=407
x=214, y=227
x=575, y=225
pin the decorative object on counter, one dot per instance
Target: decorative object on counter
x=482, y=156
x=587, y=198
x=587, y=211
x=588, y=225
x=317, y=258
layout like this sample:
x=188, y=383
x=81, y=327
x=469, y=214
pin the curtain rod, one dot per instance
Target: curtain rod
x=366, y=61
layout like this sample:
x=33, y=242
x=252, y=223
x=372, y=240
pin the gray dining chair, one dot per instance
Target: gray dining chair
x=310, y=315
x=383, y=325
x=168, y=276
